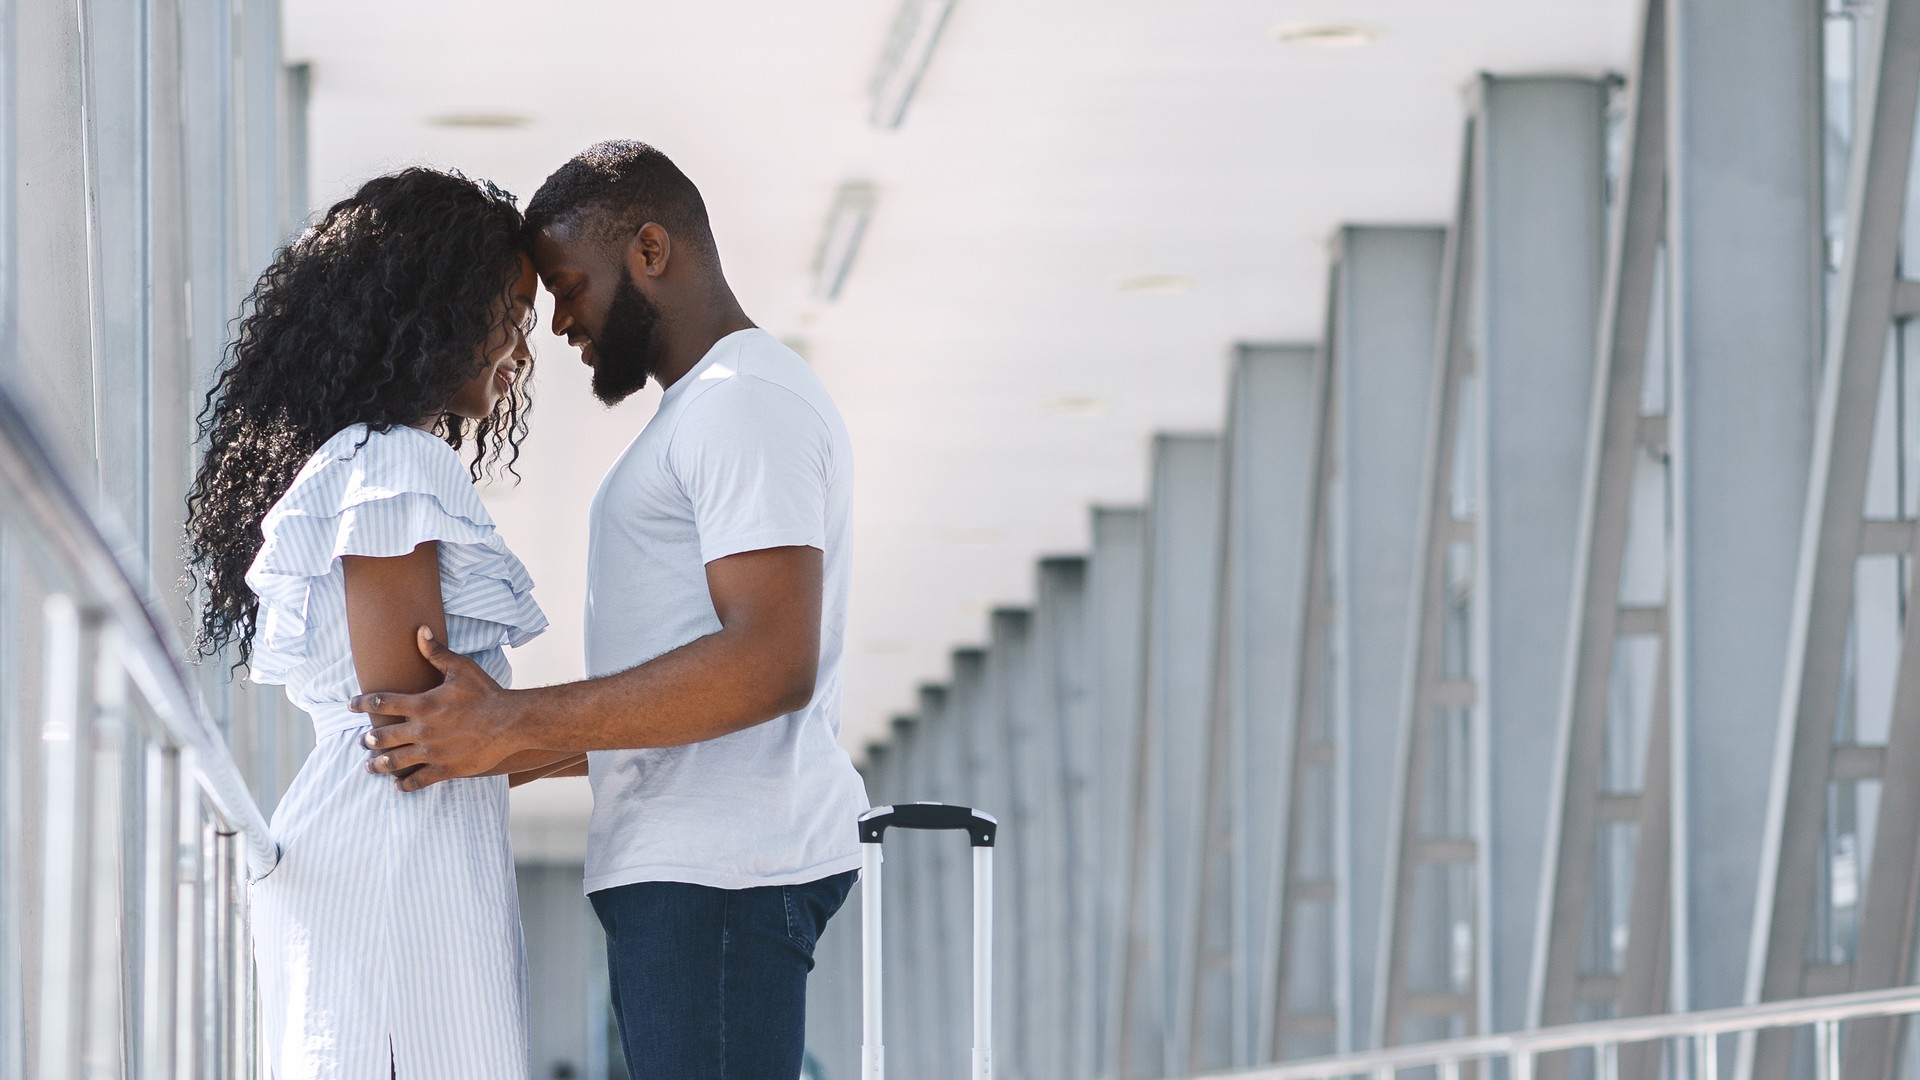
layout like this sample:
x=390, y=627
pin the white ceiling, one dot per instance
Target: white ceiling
x=1055, y=149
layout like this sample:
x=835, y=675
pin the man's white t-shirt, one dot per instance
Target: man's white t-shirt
x=746, y=452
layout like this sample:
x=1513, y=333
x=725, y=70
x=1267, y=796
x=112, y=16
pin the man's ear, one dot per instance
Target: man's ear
x=647, y=252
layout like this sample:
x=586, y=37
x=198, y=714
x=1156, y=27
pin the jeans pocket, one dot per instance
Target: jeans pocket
x=809, y=906
x=801, y=929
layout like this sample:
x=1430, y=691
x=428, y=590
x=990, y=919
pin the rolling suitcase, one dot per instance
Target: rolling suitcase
x=981, y=828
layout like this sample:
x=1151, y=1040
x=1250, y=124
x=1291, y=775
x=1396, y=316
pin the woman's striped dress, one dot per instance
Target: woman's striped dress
x=390, y=930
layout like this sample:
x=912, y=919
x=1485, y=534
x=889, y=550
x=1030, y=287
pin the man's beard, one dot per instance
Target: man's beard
x=626, y=350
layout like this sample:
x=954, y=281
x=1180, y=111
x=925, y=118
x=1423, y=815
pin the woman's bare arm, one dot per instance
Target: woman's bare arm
x=388, y=600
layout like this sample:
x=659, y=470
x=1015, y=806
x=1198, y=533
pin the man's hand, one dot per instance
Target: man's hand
x=459, y=728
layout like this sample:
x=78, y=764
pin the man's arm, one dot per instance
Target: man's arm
x=760, y=664
x=572, y=766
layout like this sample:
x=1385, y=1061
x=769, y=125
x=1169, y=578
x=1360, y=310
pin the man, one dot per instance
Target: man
x=723, y=833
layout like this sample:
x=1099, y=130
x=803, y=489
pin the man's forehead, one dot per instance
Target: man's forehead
x=562, y=248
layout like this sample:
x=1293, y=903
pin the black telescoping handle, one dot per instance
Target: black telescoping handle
x=981, y=827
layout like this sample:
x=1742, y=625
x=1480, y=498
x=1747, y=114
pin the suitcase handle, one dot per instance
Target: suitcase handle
x=981, y=827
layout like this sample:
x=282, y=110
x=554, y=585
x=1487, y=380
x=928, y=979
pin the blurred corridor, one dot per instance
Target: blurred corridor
x=1405, y=512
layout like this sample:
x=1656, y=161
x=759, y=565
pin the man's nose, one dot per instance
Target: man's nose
x=562, y=321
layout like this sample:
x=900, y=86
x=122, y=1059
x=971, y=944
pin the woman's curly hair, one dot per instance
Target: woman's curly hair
x=376, y=315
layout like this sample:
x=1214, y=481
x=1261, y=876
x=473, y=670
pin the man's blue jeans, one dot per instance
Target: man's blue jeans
x=711, y=984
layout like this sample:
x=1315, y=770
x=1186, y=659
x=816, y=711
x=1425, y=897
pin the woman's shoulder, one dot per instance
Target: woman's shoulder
x=365, y=464
x=397, y=442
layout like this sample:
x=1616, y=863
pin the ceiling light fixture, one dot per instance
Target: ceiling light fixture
x=1075, y=406
x=1156, y=283
x=481, y=119
x=846, y=224
x=915, y=33
x=1325, y=35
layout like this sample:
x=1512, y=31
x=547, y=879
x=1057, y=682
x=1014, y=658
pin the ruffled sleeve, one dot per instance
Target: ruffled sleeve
x=383, y=494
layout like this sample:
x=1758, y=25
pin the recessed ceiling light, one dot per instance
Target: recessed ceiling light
x=1156, y=283
x=846, y=224
x=1325, y=35
x=915, y=32
x=1075, y=406
x=973, y=537
x=481, y=119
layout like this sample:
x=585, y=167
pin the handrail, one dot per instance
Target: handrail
x=150, y=653
x=1594, y=1034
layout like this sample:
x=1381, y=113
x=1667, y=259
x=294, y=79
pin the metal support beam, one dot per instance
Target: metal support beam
x=1116, y=621
x=1743, y=229
x=1827, y=633
x=1590, y=806
x=1007, y=716
x=1385, y=304
x=1493, y=608
x=908, y=938
x=1063, y=653
x=1183, y=549
x=1268, y=487
x=1303, y=1019
x=942, y=914
x=1034, y=753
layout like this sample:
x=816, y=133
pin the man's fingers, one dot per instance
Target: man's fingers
x=390, y=736
x=424, y=776
x=396, y=760
x=436, y=651
x=382, y=703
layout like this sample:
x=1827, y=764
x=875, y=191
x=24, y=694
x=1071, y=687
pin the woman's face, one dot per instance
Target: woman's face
x=505, y=355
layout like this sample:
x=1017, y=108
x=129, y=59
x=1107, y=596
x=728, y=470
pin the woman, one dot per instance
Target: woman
x=331, y=517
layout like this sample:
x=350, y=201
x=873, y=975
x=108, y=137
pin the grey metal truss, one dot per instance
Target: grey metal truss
x=1816, y=755
x=944, y=910
x=1743, y=232
x=1007, y=700
x=1176, y=669
x=1500, y=517
x=1037, y=749
x=1116, y=622
x=1625, y=450
x=1307, y=888
x=1383, y=306
x=908, y=956
x=1267, y=495
x=1062, y=644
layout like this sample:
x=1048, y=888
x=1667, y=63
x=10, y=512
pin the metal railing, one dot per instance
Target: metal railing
x=127, y=841
x=1687, y=1044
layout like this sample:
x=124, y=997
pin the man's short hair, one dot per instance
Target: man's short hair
x=610, y=189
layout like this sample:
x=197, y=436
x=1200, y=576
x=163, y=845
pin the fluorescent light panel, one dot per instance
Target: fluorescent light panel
x=481, y=119
x=914, y=37
x=846, y=224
